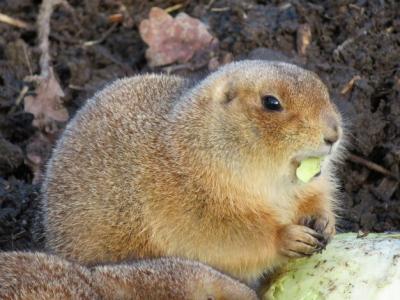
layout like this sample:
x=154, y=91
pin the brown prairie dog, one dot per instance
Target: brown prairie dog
x=40, y=276
x=152, y=167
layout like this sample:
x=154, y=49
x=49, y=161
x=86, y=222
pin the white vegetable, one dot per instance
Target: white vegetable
x=366, y=268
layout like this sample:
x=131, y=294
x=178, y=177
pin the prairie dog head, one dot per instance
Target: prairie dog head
x=263, y=115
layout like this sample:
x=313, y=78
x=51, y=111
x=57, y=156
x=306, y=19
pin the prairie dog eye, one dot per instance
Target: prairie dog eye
x=271, y=103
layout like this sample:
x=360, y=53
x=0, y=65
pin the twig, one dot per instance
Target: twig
x=14, y=22
x=46, y=9
x=21, y=96
x=102, y=38
x=48, y=89
x=343, y=45
x=358, y=8
x=208, y=6
x=76, y=87
x=339, y=49
x=220, y=9
x=27, y=59
x=43, y=28
x=173, y=8
x=371, y=165
x=18, y=235
x=350, y=85
x=174, y=68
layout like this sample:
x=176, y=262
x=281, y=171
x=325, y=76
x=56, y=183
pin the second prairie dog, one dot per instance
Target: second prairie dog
x=28, y=276
x=153, y=167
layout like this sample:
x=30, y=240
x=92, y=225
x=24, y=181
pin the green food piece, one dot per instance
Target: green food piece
x=350, y=268
x=308, y=168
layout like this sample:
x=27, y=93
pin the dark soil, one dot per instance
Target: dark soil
x=349, y=38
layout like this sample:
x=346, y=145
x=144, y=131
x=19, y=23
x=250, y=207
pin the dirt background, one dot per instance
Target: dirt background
x=349, y=38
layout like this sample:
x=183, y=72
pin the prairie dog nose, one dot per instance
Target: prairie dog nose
x=331, y=130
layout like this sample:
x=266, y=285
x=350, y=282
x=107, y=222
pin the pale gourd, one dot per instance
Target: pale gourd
x=351, y=268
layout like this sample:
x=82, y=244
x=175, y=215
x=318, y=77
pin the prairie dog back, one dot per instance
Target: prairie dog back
x=26, y=276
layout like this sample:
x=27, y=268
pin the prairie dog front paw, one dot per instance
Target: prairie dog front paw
x=324, y=224
x=300, y=241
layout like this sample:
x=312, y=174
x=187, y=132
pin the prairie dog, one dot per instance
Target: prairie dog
x=26, y=276
x=152, y=167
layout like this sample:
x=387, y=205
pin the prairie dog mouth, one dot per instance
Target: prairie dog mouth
x=325, y=152
x=308, y=165
x=309, y=168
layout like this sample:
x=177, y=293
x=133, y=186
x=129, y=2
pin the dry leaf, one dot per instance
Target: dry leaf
x=38, y=152
x=303, y=38
x=46, y=105
x=173, y=40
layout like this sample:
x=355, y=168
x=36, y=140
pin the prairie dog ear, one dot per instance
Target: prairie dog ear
x=222, y=90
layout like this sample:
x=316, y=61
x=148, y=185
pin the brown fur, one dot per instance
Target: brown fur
x=150, y=167
x=40, y=276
